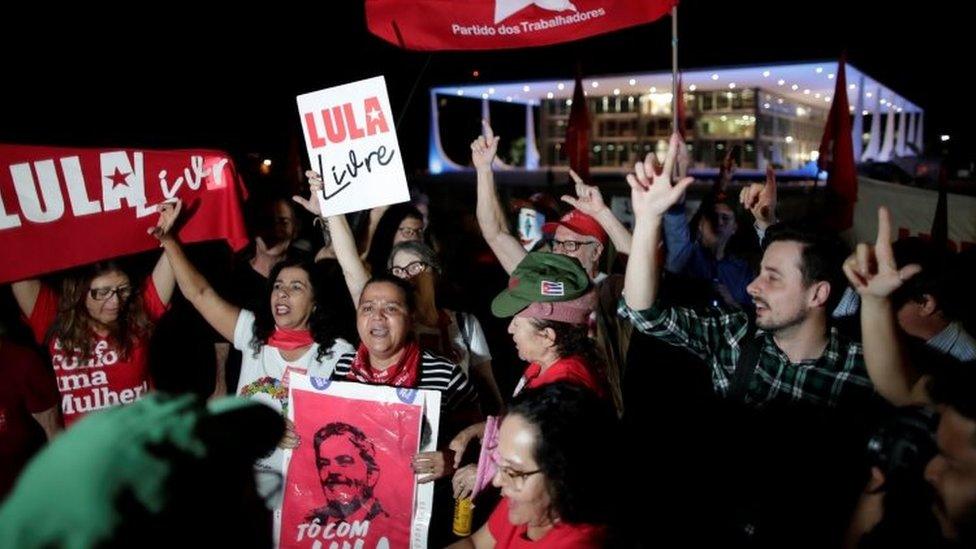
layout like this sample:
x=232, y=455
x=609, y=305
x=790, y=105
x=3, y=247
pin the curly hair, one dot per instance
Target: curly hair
x=575, y=432
x=74, y=324
x=574, y=340
x=321, y=322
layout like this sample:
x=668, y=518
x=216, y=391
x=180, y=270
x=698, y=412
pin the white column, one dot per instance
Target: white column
x=857, y=131
x=531, y=150
x=874, y=142
x=910, y=149
x=888, y=145
x=919, y=134
x=900, y=136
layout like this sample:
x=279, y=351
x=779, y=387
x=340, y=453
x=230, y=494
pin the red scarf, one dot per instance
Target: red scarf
x=288, y=340
x=403, y=373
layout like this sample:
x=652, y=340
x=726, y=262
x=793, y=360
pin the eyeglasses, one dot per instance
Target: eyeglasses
x=514, y=476
x=411, y=269
x=410, y=232
x=104, y=294
x=568, y=245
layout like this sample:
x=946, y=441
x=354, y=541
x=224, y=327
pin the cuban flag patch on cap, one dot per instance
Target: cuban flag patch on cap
x=553, y=288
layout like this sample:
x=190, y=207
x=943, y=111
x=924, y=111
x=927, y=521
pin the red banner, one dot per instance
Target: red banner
x=498, y=24
x=62, y=207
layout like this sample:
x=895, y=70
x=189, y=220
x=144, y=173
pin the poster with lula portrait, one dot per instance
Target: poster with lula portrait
x=350, y=479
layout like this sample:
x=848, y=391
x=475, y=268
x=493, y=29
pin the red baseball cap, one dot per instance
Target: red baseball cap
x=579, y=223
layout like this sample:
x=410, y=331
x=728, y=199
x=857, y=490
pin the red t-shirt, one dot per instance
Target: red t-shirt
x=104, y=378
x=572, y=369
x=26, y=387
x=562, y=535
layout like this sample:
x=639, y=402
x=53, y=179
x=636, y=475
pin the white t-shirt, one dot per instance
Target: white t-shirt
x=265, y=378
x=470, y=332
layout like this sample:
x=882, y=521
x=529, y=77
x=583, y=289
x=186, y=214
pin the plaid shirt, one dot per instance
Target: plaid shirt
x=837, y=378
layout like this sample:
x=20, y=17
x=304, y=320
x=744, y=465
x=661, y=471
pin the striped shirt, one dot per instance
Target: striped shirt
x=436, y=373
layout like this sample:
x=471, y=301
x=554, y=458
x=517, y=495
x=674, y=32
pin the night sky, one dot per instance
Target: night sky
x=185, y=77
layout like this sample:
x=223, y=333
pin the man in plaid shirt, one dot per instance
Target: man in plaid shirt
x=799, y=359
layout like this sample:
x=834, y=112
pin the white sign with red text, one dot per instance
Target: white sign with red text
x=352, y=143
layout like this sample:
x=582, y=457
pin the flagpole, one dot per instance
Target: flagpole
x=674, y=69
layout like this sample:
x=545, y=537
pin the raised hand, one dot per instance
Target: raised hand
x=760, y=199
x=651, y=190
x=169, y=212
x=872, y=270
x=484, y=148
x=588, y=199
x=315, y=186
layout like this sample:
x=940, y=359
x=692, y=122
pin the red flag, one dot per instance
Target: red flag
x=62, y=207
x=499, y=24
x=837, y=157
x=578, y=134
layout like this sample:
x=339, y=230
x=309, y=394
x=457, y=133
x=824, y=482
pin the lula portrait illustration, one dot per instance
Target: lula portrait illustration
x=348, y=471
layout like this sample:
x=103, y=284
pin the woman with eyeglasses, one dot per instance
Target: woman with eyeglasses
x=397, y=223
x=454, y=335
x=97, y=329
x=550, y=456
x=291, y=333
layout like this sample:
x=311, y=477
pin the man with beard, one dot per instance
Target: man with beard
x=348, y=471
x=790, y=354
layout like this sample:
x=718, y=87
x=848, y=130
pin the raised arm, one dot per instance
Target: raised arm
x=491, y=217
x=651, y=195
x=760, y=200
x=162, y=276
x=873, y=273
x=589, y=200
x=221, y=314
x=354, y=269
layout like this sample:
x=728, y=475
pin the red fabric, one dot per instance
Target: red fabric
x=497, y=24
x=578, y=135
x=94, y=203
x=403, y=373
x=104, y=378
x=27, y=387
x=572, y=369
x=289, y=340
x=562, y=535
x=837, y=156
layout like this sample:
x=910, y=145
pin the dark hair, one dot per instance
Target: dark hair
x=356, y=437
x=321, y=322
x=74, y=324
x=408, y=296
x=576, y=431
x=386, y=228
x=574, y=340
x=933, y=280
x=821, y=259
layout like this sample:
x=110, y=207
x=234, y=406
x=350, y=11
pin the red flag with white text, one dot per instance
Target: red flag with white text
x=65, y=207
x=499, y=24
